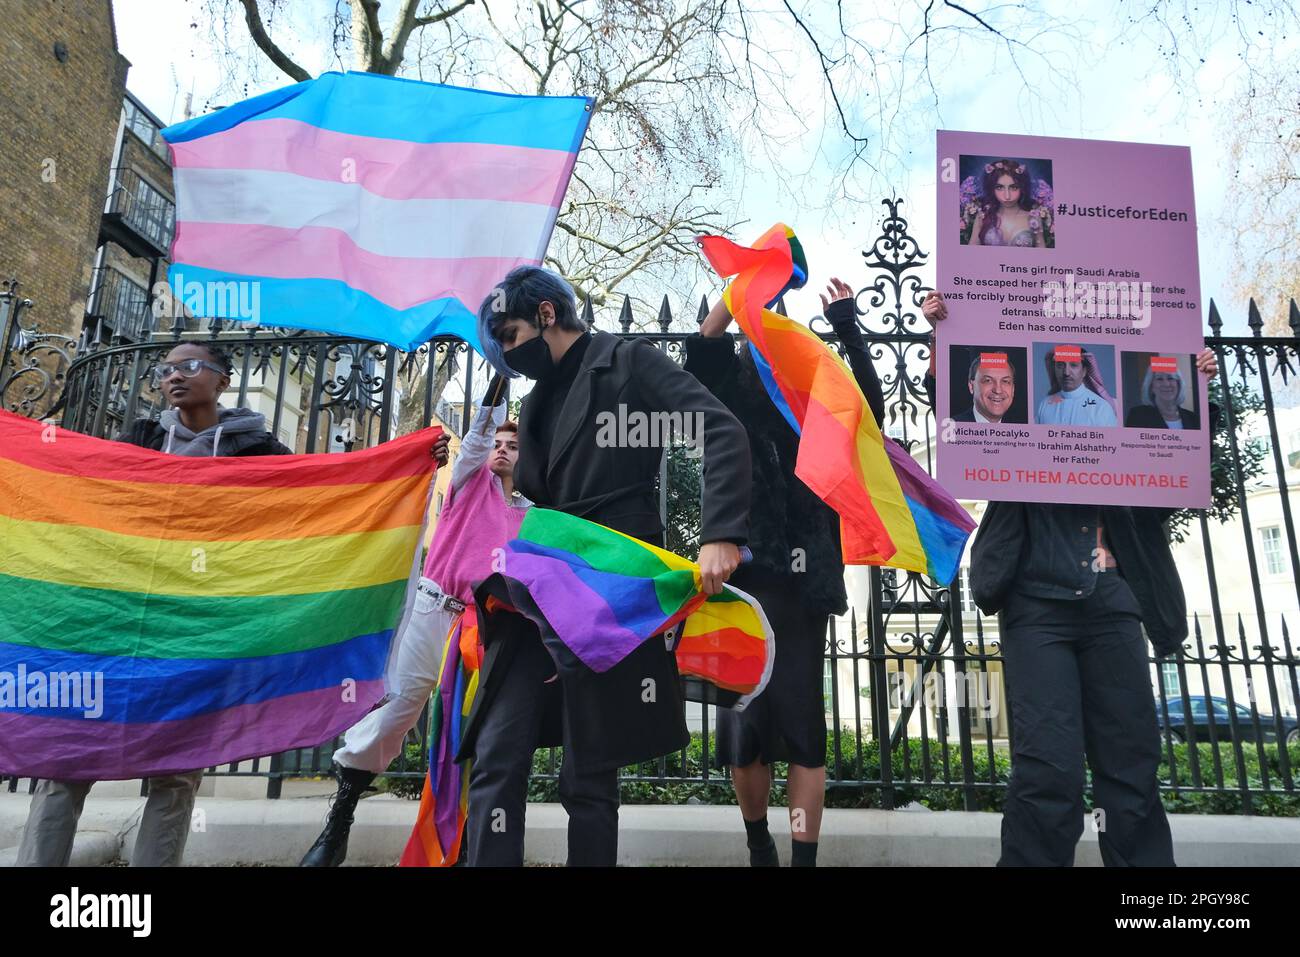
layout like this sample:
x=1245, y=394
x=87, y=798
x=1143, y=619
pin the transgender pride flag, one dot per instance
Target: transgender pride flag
x=367, y=205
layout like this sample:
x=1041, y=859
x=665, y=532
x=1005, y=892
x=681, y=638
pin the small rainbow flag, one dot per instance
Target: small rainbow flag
x=891, y=511
x=162, y=613
x=595, y=595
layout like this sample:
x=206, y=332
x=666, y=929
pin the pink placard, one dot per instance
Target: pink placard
x=1076, y=262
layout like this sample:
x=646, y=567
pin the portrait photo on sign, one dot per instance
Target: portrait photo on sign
x=988, y=384
x=1006, y=201
x=1074, y=384
x=1161, y=390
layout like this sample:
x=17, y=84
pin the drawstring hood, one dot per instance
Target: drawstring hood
x=237, y=428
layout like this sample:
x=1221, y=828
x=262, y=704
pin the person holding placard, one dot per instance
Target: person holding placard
x=1074, y=586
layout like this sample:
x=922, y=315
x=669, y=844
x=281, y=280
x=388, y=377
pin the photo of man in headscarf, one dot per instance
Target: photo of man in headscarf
x=1077, y=393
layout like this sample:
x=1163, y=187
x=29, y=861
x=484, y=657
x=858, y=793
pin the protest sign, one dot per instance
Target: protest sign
x=1066, y=369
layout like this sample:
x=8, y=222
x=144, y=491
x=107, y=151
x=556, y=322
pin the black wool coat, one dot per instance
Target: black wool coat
x=634, y=711
x=791, y=516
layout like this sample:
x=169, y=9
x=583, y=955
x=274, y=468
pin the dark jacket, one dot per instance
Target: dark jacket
x=1148, y=417
x=791, y=516
x=1034, y=548
x=148, y=434
x=610, y=721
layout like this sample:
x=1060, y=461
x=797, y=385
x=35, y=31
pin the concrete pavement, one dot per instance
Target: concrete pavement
x=234, y=831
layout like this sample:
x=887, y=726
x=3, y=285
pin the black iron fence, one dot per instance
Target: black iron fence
x=915, y=704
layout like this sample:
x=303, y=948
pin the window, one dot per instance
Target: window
x=961, y=591
x=124, y=304
x=1169, y=681
x=138, y=122
x=153, y=213
x=1271, y=536
x=828, y=676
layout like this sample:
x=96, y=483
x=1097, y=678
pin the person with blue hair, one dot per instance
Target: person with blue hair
x=633, y=712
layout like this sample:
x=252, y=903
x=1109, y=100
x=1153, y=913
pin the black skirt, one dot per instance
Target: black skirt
x=787, y=722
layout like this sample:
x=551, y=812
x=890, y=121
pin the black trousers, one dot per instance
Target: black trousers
x=503, y=758
x=1078, y=682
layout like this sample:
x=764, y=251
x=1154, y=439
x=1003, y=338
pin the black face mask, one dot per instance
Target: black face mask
x=532, y=359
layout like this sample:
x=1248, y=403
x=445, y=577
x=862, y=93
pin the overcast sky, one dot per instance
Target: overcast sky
x=1123, y=93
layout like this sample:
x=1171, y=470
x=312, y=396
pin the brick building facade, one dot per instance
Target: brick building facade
x=61, y=95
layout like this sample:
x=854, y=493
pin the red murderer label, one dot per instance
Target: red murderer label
x=994, y=360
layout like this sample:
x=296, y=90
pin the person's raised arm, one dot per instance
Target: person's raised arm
x=710, y=356
x=477, y=444
x=935, y=310
x=837, y=307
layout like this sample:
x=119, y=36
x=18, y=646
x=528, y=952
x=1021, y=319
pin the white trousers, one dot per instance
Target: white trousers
x=373, y=742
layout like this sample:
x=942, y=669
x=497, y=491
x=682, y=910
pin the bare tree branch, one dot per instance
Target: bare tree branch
x=860, y=142
x=256, y=30
x=369, y=35
x=395, y=50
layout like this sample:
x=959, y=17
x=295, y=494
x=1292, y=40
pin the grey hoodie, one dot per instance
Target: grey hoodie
x=236, y=429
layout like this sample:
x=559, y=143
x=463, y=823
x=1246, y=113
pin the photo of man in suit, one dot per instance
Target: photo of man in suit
x=991, y=383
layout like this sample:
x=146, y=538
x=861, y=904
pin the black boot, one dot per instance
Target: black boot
x=331, y=848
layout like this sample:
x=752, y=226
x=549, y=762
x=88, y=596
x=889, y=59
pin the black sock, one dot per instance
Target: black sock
x=756, y=834
x=803, y=853
x=762, y=849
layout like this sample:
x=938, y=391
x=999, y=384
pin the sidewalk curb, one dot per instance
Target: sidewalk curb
x=234, y=831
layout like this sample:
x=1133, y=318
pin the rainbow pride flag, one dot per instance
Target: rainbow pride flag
x=444, y=801
x=595, y=595
x=891, y=511
x=163, y=613
x=367, y=205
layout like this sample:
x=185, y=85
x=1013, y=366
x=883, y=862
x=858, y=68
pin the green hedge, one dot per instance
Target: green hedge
x=937, y=797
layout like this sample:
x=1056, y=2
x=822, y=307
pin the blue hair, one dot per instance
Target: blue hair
x=519, y=296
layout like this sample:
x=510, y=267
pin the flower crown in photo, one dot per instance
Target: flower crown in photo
x=1005, y=165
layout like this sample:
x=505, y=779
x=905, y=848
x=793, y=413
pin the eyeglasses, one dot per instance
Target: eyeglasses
x=188, y=368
